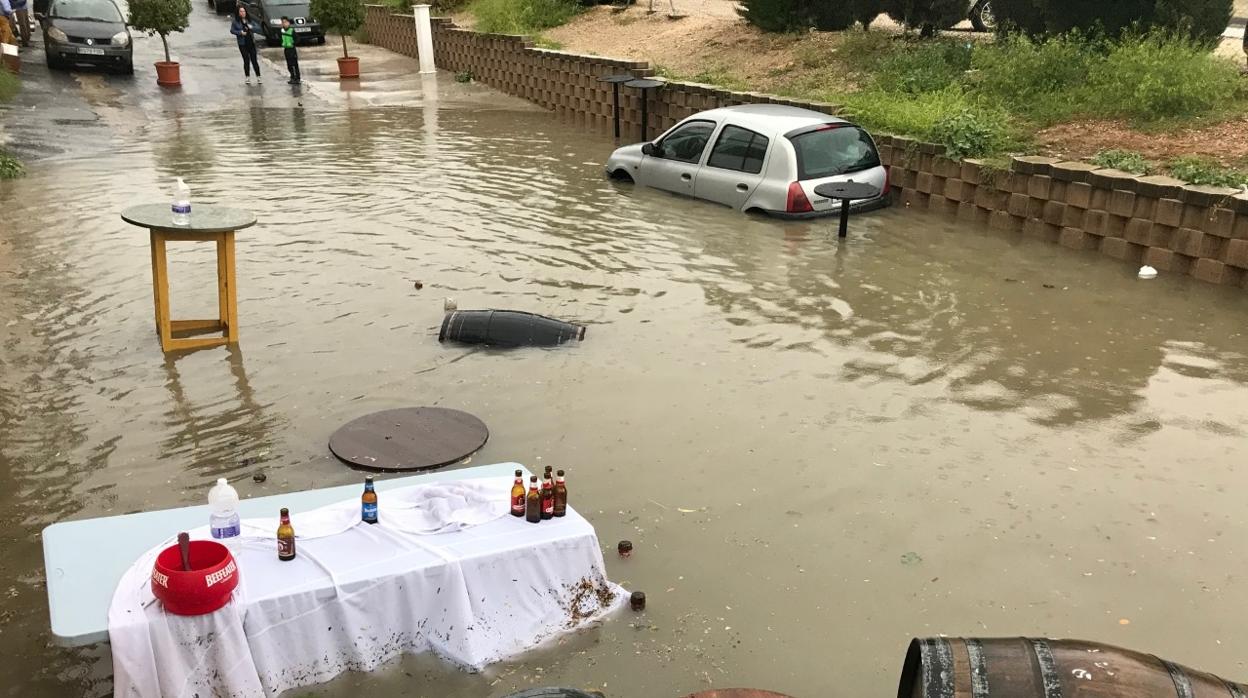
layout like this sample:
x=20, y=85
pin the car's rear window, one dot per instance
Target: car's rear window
x=834, y=150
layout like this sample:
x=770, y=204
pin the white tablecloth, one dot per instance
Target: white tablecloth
x=359, y=595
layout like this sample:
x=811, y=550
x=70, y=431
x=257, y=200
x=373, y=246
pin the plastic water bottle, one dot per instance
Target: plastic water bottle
x=224, y=521
x=182, y=204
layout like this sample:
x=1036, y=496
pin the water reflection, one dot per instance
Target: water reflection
x=916, y=385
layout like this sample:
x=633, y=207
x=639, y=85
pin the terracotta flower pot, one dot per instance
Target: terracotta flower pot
x=168, y=74
x=349, y=67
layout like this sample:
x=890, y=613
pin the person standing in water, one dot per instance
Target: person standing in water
x=292, y=53
x=242, y=29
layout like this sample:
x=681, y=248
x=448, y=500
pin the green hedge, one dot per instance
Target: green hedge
x=1203, y=20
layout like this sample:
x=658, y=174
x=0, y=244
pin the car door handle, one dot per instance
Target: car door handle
x=743, y=187
x=686, y=177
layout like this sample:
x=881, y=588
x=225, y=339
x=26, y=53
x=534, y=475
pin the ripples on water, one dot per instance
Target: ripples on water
x=874, y=379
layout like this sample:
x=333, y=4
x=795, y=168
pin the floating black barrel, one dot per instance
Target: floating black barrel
x=1036, y=668
x=507, y=328
x=553, y=693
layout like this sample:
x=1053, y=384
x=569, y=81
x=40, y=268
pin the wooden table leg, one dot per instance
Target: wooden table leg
x=155, y=281
x=160, y=265
x=222, y=286
x=231, y=289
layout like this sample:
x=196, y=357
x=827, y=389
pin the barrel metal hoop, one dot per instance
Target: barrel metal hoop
x=979, y=669
x=1182, y=684
x=937, y=668
x=1048, y=669
x=1234, y=689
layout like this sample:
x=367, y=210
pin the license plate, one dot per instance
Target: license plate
x=302, y=30
x=91, y=51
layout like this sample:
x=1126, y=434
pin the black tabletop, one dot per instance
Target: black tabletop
x=847, y=191
x=617, y=78
x=644, y=83
x=205, y=218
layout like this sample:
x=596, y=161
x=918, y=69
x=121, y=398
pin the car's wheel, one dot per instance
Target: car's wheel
x=621, y=175
x=128, y=68
x=55, y=63
x=321, y=40
x=982, y=18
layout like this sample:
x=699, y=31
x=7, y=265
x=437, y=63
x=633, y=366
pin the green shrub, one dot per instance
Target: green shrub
x=10, y=85
x=159, y=17
x=927, y=67
x=1201, y=20
x=1125, y=160
x=865, y=11
x=830, y=15
x=341, y=17
x=1159, y=76
x=10, y=168
x=927, y=15
x=1042, y=80
x=775, y=15
x=1111, y=17
x=1026, y=16
x=521, y=16
x=970, y=132
x=1194, y=169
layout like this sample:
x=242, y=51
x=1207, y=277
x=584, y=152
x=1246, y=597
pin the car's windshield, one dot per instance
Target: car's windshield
x=833, y=151
x=97, y=10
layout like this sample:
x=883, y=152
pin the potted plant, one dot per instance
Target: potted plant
x=341, y=17
x=162, y=17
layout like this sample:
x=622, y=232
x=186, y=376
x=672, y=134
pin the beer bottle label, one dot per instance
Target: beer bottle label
x=370, y=511
x=285, y=547
x=517, y=505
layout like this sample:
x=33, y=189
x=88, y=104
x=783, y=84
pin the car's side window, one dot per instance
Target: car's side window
x=687, y=142
x=739, y=149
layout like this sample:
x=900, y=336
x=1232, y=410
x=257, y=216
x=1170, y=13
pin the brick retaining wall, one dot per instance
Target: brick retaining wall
x=1201, y=231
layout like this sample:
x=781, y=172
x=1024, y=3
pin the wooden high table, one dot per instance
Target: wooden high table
x=208, y=224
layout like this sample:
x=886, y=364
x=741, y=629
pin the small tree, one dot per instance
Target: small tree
x=341, y=17
x=160, y=17
x=927, y=15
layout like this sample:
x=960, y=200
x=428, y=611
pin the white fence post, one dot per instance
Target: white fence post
x=424, y=38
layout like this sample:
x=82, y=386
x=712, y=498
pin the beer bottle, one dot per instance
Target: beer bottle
x=517, y=495
x=285, y=538
x=369, y=502
x=548, y=497
x=548, y=476
x=561, y=495
x=533, y=502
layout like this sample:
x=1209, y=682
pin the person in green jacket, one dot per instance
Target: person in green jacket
x=292, y=53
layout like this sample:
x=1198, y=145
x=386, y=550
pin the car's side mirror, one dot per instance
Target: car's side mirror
x=654, y=151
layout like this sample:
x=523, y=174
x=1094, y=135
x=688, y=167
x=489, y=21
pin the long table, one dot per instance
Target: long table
x=85, y=559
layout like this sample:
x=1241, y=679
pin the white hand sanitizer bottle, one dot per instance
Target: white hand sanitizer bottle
x=224, y=521
x=182, y=204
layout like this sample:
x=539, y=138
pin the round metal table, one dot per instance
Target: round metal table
x=616, y=81
x=409, y=438
x=845, y=192
x=645, y=85
x=208, y=223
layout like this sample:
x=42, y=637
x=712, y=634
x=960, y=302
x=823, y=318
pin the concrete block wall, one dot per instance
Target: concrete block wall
x=1200, y=231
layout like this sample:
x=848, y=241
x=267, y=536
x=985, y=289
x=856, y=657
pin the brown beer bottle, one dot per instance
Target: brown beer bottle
x=285, y=538
x=561, y=495
x=548, y=497
x=533, y=502
x=517, y=495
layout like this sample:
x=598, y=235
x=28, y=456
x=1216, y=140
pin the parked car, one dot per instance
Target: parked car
x=269, y=14
x=223, y=7
x=764, y=158
x=87, y=32
x=981, y=16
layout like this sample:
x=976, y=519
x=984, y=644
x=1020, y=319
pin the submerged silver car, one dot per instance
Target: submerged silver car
x=765, y=158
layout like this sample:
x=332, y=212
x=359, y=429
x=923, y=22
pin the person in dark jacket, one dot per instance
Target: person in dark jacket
x=244, y=30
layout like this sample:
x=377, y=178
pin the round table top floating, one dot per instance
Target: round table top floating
x=205, y=218
x=617, y=78
x=644, y=83
x=409, y=438
x=847, y=190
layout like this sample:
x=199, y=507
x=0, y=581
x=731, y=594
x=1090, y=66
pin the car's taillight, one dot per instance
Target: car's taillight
x=796, y=202
x=888, y=179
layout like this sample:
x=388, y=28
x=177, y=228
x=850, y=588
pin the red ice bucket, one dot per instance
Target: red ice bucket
x=206, y=588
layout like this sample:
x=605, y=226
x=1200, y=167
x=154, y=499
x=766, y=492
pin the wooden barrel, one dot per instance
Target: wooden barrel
x=1026, y=668
x=507, y=328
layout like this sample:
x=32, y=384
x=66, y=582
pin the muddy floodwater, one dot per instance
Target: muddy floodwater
x=819, y=449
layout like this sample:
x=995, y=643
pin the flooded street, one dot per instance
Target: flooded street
x=820, y=449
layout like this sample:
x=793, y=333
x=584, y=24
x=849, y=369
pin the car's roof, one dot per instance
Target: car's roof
x=775, y=118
